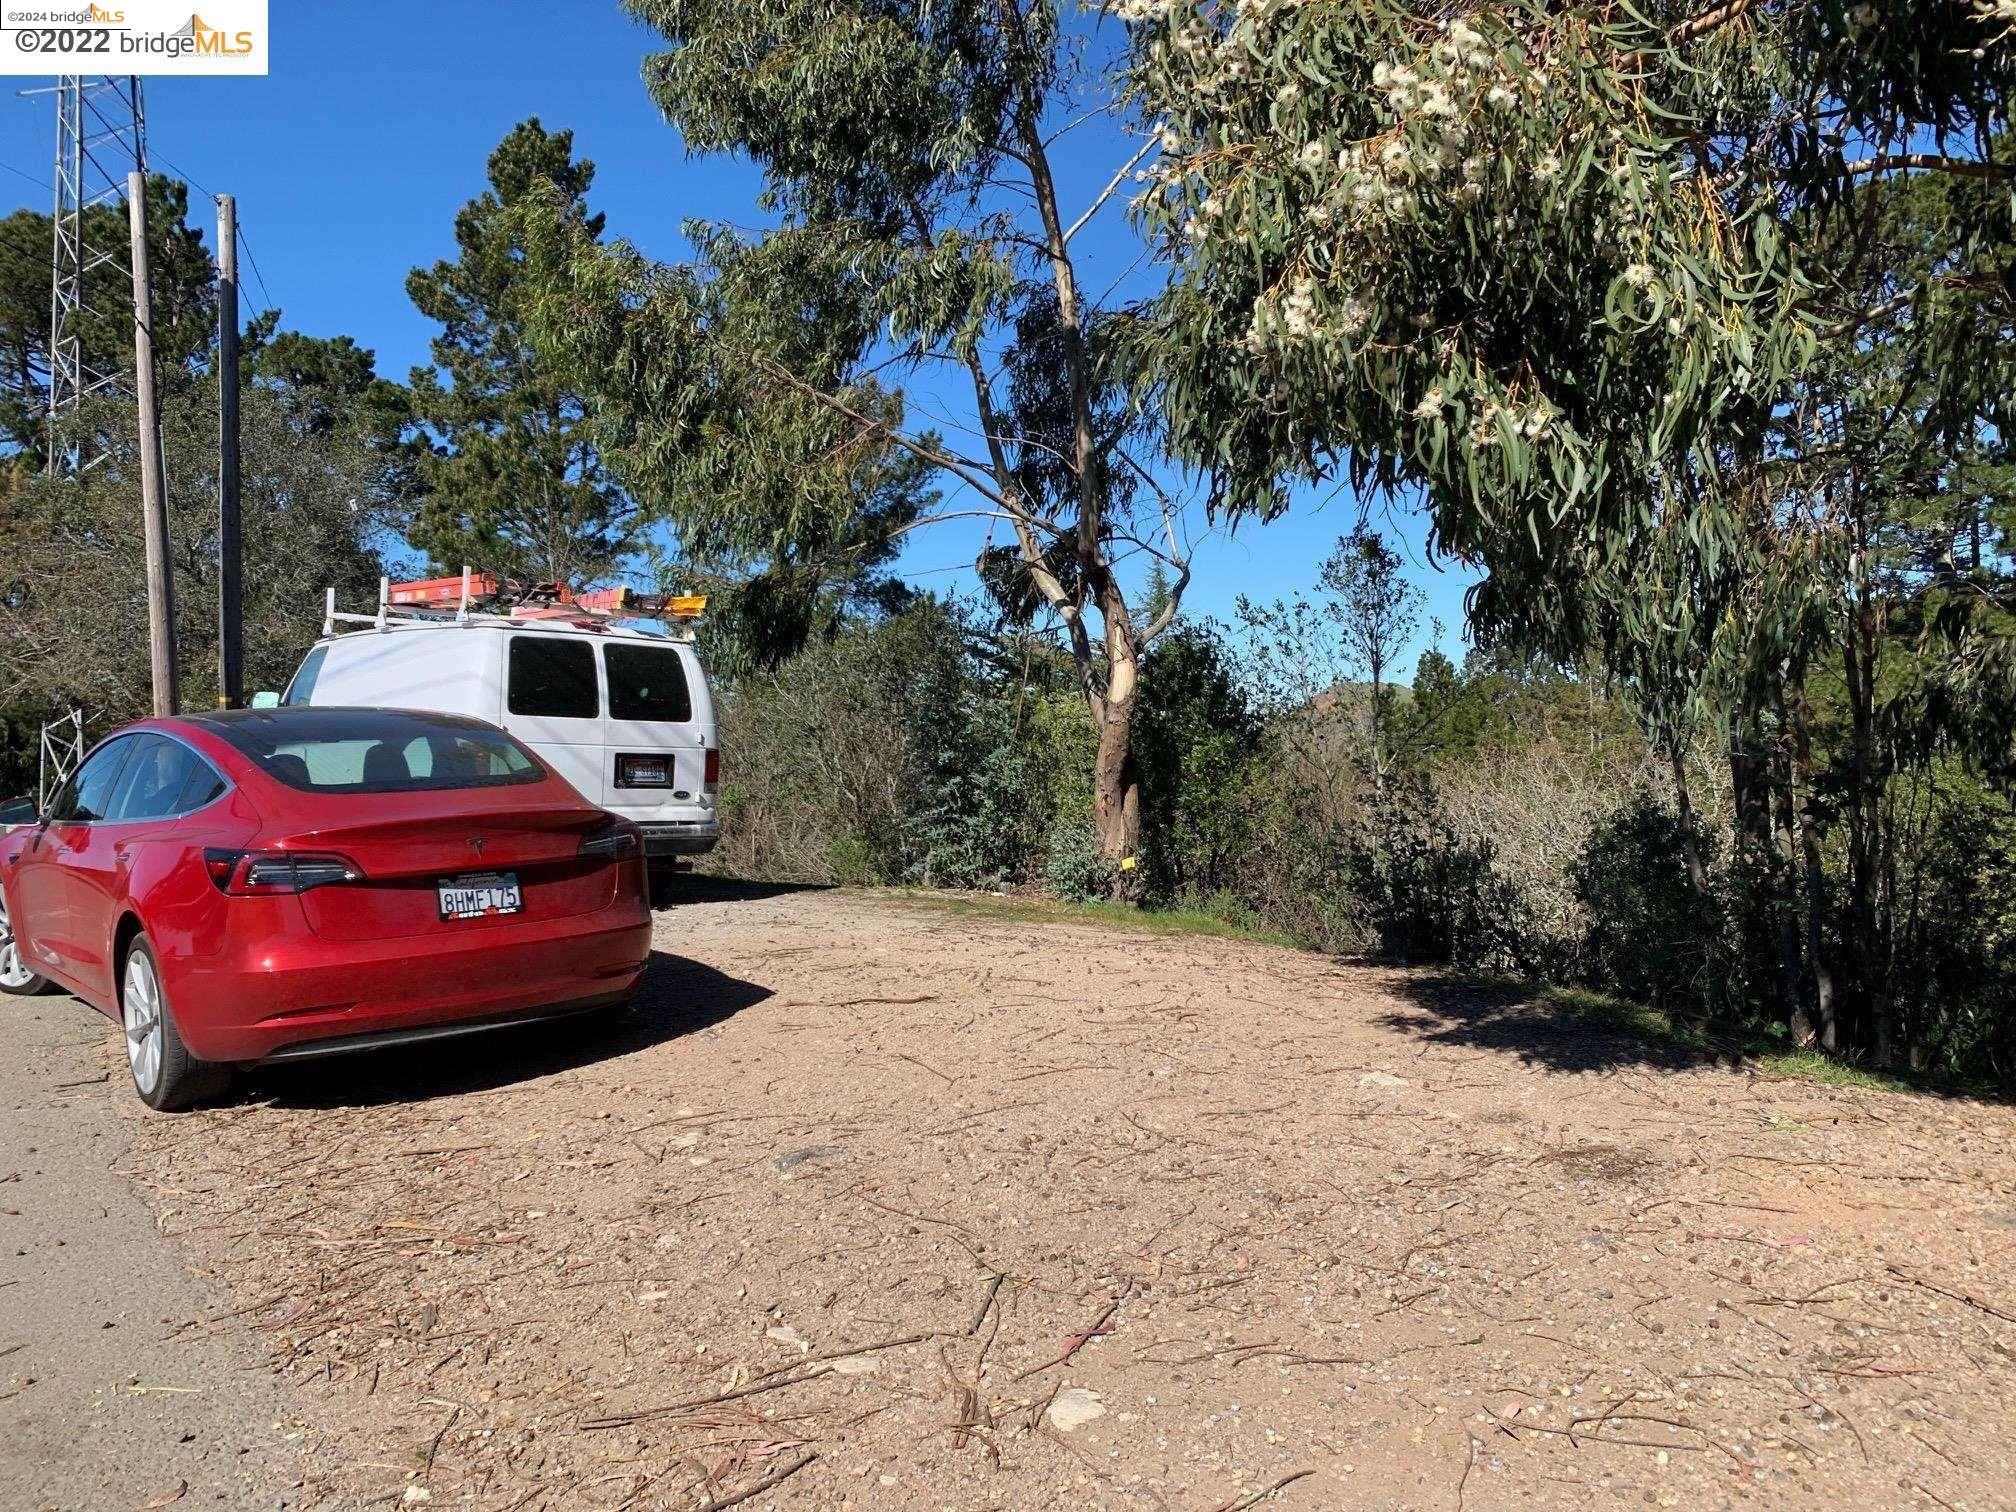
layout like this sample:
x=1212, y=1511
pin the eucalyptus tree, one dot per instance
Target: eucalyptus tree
x=910, y=155
x=1616, y=289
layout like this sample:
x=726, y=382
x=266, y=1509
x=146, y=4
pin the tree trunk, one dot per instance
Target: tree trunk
x=1764, y=870
x=1785, y=905
x=1864, y=840
x=1824, y=1012
x=1116, y=801
x=1690, y=844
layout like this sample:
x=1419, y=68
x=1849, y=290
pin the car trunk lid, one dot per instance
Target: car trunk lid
x=406, y=859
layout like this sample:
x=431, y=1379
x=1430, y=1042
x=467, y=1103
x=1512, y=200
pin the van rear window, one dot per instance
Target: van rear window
x=552, y=677
x=647, y=683
x=375, y=750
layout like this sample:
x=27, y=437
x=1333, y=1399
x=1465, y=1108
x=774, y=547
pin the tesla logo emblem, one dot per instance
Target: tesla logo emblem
x=477, y=844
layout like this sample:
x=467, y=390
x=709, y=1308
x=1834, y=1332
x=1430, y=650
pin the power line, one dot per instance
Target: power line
x=183, y=173
x=41, y=183
x=264, y=293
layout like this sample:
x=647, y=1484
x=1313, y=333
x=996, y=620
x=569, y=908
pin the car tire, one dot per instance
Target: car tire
x=16, y=980
x=167, y=1077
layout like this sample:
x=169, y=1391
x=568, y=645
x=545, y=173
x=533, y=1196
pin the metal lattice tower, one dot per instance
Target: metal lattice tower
x=101, y=134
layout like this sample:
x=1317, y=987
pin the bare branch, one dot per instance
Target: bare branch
x=1112, y=187
x=965, y=470
x=1712, y=19
x=1886, y=162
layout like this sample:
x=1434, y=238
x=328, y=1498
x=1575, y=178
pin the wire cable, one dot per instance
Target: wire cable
x=24, y=173
x=264, y=292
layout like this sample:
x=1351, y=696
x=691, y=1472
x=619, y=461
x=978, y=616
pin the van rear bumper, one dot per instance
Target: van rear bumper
x=691, y=837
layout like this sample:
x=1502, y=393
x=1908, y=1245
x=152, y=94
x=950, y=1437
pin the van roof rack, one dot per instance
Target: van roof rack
x=484, y=598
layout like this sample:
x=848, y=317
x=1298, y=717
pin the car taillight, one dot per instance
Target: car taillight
x=713, y=775
x=245, y=874
x=610, y=840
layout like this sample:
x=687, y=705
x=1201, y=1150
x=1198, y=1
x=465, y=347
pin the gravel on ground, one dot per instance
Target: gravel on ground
x=869, y=1204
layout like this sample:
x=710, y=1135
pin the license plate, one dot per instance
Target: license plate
x=481, y=896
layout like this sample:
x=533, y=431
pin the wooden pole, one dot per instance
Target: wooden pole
x=230, y=588
x=153, y=489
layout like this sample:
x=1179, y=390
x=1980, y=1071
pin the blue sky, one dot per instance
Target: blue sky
x=350, y=161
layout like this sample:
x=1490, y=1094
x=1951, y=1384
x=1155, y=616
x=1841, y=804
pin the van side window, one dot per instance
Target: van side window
x=302, y=689
x=552, y=677
x=647, y=683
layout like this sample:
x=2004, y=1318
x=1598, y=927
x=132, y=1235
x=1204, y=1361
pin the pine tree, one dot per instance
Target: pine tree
x=516, y=484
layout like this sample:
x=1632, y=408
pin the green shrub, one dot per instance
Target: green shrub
x=1652, y=937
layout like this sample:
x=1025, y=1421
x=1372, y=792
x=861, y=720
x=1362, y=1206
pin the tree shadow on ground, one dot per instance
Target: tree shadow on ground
x=1523, y=1022
x=678, y=997
x=698, y=887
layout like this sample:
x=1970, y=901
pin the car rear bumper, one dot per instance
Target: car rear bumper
x=384, y=1039
x=686, y=837
x=283, y=998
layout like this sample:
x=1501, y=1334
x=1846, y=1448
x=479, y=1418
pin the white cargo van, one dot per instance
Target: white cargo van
x=620, y=708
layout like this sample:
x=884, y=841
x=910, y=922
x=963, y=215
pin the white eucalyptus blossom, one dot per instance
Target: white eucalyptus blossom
x=1430, y=407
x=1298, y=310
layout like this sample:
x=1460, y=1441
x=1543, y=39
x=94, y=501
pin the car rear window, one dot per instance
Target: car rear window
x=647, y=683
x=376, y=750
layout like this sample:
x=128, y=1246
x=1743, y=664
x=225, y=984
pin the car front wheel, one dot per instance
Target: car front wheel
x=16, y=979
x=167, y=1077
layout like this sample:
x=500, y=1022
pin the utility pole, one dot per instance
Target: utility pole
x=230, y=591
x=153, y=491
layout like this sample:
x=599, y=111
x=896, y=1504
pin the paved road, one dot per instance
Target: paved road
x=99, y=1408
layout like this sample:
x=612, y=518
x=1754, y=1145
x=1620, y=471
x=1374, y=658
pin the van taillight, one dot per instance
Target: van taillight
x=713, y=775
x=251, y=874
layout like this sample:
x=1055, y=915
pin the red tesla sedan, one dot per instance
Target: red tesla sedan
x=271, y=884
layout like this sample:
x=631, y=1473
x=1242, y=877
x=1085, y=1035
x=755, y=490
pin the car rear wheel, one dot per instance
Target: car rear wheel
x=167, y=1077
x=16, y=980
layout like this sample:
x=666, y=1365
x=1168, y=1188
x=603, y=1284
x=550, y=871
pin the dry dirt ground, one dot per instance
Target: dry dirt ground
x=872, y=1205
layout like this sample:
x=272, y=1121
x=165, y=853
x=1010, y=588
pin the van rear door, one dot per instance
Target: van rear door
x=659, y=716
x=553, y=702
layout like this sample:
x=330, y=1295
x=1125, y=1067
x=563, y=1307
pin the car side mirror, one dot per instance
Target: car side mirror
x=265, y=700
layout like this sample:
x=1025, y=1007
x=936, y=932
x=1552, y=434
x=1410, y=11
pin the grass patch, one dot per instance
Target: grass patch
x=1156, y=921
x=1811, y=1065
x=1766, y=1056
